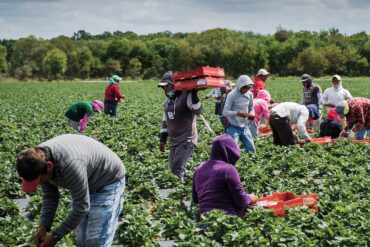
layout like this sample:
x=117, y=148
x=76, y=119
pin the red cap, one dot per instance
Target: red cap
x=30, y=186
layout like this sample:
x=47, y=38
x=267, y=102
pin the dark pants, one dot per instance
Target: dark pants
x=110, y=108
x=179, y=156
x=218, y=108
x=281, y=131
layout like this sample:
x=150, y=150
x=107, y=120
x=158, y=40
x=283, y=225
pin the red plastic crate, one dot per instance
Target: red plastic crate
x=199, y=83
x=199, y=72
x=281, y=201
x=322, y=140
x=362, y=141
x=264, y=128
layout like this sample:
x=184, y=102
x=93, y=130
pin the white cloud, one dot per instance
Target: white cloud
x=49, y=19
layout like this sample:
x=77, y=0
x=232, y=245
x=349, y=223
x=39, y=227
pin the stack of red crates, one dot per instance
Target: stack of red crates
x=279, y=202
x=200, y=78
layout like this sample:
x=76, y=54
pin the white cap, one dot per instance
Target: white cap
x=262, y=72
x=337, y=77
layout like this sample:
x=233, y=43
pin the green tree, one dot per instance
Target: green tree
x=55, y=63
x=98, y=48
x=118, y=49
x=3, y=62
x=185, y=56
x=64, y=43
x=282, y=34
x=134, y=68
x=246, y=58
x=365, y=52
x=156, y=69
x=336, y=60
x=310, y=61
x=84, y=56
x=79, y=63
x=356, y=64
x=280, y=55
x=81, y=35
x=28, y=53
x=141, y=51
x=23, y=72
x=96, y=67
x=111, y=66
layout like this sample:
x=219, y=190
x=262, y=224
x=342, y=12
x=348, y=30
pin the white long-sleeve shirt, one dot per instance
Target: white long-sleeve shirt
x=296, y=113
x=335, y=96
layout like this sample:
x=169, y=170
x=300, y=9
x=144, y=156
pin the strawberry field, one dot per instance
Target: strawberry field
x=339, y=173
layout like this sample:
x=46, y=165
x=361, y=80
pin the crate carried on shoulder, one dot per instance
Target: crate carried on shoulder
x=199, y=78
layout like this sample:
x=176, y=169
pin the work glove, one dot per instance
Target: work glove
x=162, y=146
x=194, y=96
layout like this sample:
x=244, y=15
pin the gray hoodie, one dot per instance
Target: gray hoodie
x=236, y=101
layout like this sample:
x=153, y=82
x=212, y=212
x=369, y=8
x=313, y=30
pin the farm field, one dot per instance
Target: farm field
x=339, y=173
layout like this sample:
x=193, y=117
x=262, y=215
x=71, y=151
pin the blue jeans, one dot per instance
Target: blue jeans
x=253, y=128
x=97, y=228
x=110, y=108
x=244, y=135
x=360, y=135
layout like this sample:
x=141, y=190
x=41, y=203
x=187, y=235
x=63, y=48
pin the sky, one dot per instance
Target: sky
x=49, y=19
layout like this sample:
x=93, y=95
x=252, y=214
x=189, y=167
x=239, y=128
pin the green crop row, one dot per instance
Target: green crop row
x=338, y=174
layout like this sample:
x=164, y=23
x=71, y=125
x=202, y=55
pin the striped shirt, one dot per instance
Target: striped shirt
x=82, y=166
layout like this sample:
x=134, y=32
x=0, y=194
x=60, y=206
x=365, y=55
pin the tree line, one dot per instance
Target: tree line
x=147, y=56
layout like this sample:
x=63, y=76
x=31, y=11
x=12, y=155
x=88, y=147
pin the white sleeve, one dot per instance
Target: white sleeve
x=348, y=95
x=325, y=97
x=301, y=124
x=319, y=96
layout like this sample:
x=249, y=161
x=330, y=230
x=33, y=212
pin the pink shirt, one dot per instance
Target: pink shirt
x=261, y=108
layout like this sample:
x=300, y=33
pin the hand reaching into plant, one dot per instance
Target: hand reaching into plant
x=40, y=236
x=301, y=142
x=49, y=241
x=162, y=146
x=343, y=133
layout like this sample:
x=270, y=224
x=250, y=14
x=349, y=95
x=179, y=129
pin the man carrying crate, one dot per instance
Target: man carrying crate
x=179, y=123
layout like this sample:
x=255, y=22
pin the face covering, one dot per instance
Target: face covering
x=338, y=86
x=309, y=83
x=170, y=93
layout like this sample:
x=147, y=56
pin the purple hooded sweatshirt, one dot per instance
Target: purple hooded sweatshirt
x=216, y=182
